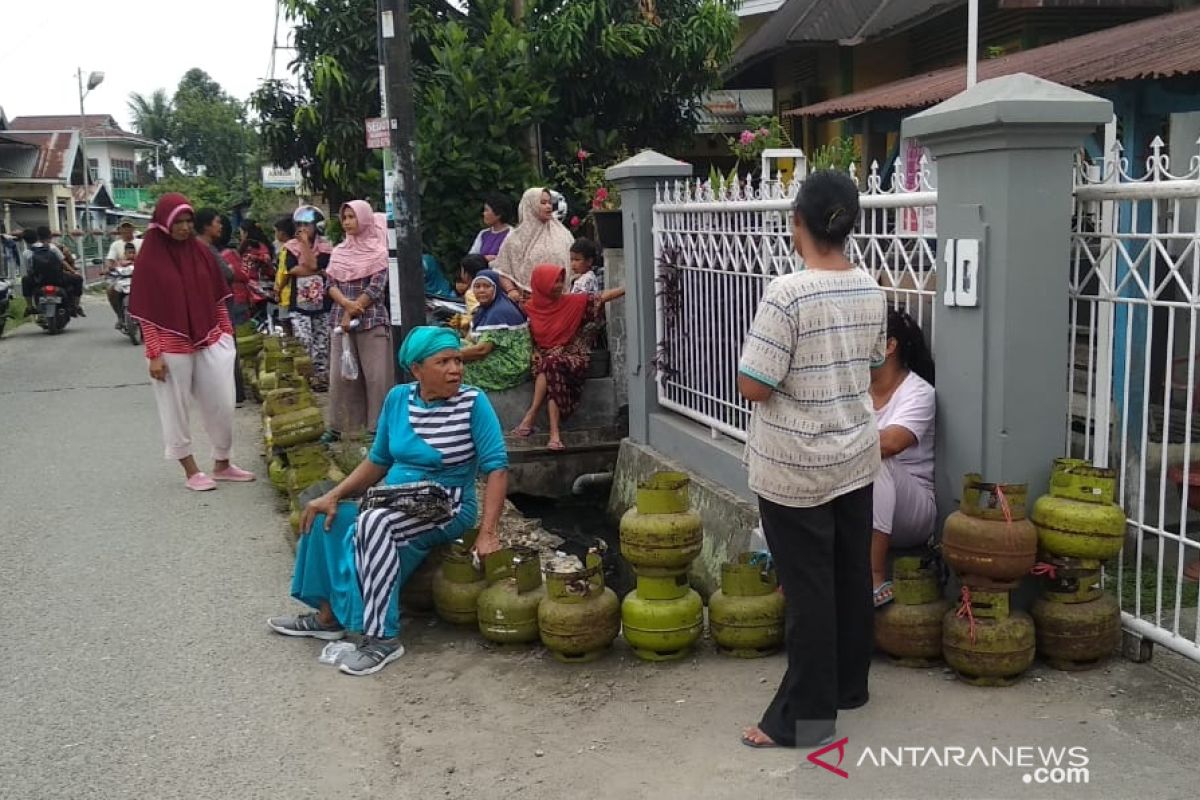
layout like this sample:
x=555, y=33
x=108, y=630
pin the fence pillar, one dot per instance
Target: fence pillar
x=637, y=179
x=1004, y=152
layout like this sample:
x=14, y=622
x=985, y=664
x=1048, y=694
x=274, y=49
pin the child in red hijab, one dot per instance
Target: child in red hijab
x=564, y=328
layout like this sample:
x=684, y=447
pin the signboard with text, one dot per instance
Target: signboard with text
x=280, y=177
x=378, y=135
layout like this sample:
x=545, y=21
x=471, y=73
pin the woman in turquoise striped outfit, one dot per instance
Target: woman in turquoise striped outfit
x=351, y=564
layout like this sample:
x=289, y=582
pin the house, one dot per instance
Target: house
x=810, y=52
x=37, y=172
x=1150, y=69
x=111, y=156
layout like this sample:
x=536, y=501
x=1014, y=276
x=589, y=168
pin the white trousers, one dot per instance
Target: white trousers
x=205, y=378
x=904, y=508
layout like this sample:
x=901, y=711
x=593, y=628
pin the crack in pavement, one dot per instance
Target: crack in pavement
x=75, y=388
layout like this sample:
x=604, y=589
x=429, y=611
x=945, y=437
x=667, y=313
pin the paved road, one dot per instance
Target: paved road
x=135, y=660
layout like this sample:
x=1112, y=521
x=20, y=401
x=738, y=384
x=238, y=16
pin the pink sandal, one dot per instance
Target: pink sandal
x=201, y=483
x=234, y=474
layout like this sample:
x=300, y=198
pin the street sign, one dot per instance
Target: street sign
x=378, y=135
x=280, y=177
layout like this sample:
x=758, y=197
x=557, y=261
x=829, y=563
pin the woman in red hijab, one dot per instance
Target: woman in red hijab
x=564, y=328
x=179, y=299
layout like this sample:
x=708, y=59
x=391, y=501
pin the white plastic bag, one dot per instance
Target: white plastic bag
x=758, y=541
x=333, y=653
x=349, y=362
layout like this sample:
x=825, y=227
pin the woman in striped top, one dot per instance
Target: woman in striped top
x=812, y=451
x=179, y=299
x=435, y=430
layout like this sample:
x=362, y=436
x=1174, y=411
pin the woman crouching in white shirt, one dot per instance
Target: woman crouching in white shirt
x=905, y=513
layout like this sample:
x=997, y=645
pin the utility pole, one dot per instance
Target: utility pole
x=407, y=280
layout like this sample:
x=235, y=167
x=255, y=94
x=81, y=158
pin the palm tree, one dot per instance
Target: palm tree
x=151, y=115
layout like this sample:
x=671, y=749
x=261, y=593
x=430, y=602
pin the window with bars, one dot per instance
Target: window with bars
x=124, y=173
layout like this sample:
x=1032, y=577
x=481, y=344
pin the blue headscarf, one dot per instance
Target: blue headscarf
x=423, y=342
x=436, y=284
x=501, y=313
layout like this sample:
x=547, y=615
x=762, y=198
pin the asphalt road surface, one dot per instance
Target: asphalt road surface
x=135, y=661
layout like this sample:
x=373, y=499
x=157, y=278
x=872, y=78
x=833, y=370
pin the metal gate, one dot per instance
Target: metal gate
x=1135, y=327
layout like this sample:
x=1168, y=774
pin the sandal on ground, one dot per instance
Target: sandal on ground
x=523, y=431
x=199, y=482
x=769, y=743
x=234, y=474
x=556, y=445
x=883, y=594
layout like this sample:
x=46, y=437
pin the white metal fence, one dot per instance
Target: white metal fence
x=1135, y=322
x=718, y=250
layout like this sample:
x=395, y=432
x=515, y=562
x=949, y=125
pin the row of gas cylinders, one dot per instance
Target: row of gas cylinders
x=992, y=545
x=577, y=617
x=275, y=370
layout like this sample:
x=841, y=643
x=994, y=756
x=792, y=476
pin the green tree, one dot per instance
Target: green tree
x=208, y=128
x=476, y=101
x=628, y=75
x=152, y=116
x=319, y=126
x=202, y=191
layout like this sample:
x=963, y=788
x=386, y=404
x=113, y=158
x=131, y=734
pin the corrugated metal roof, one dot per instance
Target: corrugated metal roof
x=98, y=126
x=1159, y=47
x=818, y=21
x=53, y=159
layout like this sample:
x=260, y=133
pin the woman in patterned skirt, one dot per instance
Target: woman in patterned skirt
x=564, y=328
x=351, y=564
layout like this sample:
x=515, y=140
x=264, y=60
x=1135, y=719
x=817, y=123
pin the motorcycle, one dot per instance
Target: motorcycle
x=5, y=300
x=123, y=283
x=53, y=307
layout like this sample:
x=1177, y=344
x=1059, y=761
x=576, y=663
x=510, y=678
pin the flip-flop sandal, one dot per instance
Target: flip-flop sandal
x=524, y=433
x=746, y=740
x=883, y=594
x=556, y=446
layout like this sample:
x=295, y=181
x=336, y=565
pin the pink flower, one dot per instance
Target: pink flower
x=601, y=194
x=763, y=132
x=582, y=154
x=574, y=222
x=747, y=137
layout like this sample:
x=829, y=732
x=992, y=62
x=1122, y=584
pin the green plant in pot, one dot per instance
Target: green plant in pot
x=606, y=209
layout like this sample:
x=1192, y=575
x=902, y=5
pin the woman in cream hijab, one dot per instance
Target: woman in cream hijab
x=539, y=238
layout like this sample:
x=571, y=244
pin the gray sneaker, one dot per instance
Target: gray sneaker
x=371, y=656
x=306, y=625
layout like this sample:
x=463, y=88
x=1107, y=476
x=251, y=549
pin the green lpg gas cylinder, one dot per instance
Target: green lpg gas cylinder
x=988, y=541
x=662, y=618
x=580, y=616
x=508, y=607
x=1079, y=519
x=1077, y=636
x=416, y=597
x=990, y=645
x=457, y=586
x=746, y=614
x=909, y=629
x=661, y=535
x=1070, y=580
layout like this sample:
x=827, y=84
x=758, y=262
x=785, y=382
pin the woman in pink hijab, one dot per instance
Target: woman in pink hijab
x=358, y=275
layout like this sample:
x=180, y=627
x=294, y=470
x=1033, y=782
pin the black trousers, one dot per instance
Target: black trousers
x=823, y=557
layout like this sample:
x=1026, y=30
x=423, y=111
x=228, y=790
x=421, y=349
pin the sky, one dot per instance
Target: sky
x=135, y=46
